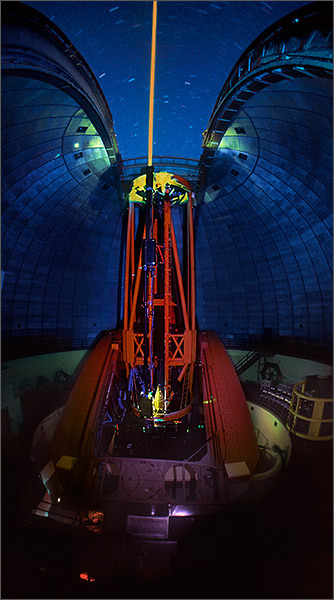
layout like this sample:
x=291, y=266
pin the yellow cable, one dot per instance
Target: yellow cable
x=153, y=50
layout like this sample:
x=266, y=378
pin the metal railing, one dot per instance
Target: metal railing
x=184, y=166
x=309, y=417
x=157, y=481
x=247, y=361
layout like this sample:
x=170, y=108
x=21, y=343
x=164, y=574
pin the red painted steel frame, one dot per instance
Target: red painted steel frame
x=227, y=418
x=167, y=294
x=179, y=348
x=75, y=433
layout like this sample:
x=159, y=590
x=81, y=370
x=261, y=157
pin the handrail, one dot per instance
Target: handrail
x=246, y=359
x=309, y=427
x=296, y=391
x=160, y=159
x=187, y=166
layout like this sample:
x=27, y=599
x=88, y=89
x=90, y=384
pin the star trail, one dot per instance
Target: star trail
x=198, y=44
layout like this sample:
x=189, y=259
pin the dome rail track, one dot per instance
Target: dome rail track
x=298, y=45
x=33, y=46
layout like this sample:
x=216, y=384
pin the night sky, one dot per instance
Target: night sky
x=198, y=44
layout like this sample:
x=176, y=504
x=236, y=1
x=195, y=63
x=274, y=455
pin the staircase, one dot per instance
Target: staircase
x=249, y=359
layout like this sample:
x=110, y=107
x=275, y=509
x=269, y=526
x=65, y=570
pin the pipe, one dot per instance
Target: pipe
x=179, y=278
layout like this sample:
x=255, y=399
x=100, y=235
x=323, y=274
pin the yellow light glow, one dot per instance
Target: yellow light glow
x=76, y=145
x=158, y=402
x=151, y=109
x=94, y=141
x=160, y=179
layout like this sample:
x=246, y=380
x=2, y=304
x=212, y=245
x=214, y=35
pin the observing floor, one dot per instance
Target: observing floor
x=276, y=542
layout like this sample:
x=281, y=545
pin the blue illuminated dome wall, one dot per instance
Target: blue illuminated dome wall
x=61, y=212
x=270, y=218
x=263, y=216
x=264, y=220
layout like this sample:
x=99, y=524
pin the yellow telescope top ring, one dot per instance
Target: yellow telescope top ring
x=180, y=187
